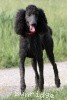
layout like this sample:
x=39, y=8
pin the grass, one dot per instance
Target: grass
x=60, y=94
x=56, y=12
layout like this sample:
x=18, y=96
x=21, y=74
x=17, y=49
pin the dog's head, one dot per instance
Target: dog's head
x=31, y=20
x=31, y=17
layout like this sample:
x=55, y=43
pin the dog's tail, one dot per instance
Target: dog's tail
x=50, y=30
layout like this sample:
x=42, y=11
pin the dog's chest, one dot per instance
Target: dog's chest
x=34, y=44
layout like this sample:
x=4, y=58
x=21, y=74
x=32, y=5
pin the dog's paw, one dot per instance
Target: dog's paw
x=57, y=82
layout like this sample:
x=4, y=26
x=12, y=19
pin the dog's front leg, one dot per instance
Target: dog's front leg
x=22, y=73
x=41, y=77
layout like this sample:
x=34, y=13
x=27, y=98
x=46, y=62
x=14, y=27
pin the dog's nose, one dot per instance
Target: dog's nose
x=34, y=24
x=33, y=20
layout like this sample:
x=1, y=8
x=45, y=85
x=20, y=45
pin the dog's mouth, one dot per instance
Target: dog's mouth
x=32, y=29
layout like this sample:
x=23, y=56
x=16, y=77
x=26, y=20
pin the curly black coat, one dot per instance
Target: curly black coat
x=35, y=35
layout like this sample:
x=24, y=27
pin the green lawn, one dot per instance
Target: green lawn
x=56, y=12
x=55, y=94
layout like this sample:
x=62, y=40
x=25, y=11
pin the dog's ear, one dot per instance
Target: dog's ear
x=42, y=22
x=20, y=22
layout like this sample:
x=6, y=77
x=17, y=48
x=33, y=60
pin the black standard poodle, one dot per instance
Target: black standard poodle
x=35, y=36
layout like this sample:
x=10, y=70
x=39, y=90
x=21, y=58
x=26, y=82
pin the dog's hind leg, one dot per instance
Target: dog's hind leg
x=49, y=51
x=34, y=65
x=51, y=58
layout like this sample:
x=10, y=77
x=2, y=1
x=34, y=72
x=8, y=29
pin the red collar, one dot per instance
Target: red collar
x=30, y=33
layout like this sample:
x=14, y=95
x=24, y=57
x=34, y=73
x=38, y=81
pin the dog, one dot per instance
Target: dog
x=35, y=36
